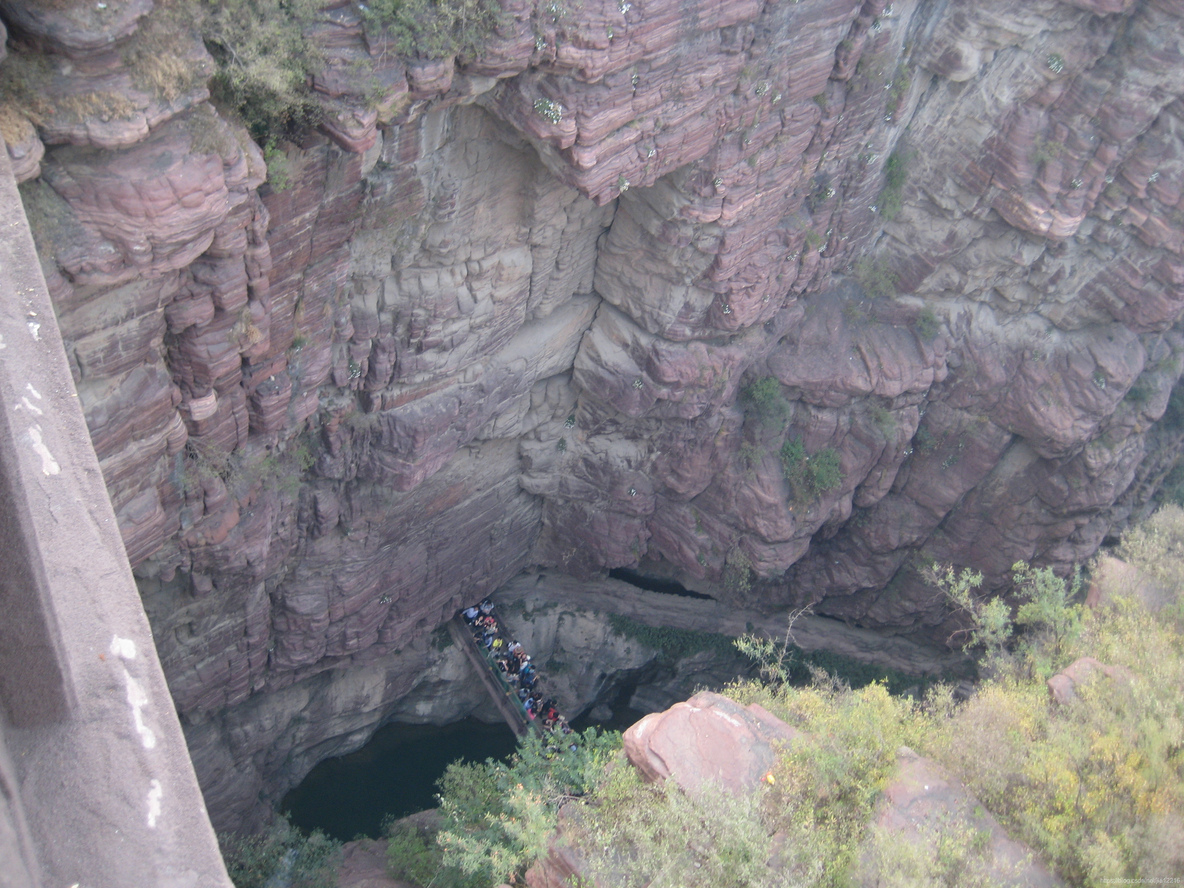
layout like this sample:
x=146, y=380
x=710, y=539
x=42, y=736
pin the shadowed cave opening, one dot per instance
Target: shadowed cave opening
x=392, y=776
x=662, y=585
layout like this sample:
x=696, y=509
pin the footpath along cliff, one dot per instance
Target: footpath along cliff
x=785, y=300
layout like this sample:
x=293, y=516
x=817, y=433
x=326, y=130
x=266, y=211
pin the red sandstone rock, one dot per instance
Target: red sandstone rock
x=1062, y=687
x=77, y=29
x=709, y=740
x=921, y=801
x=363, y=865
x=155, y=223
x=25, y=148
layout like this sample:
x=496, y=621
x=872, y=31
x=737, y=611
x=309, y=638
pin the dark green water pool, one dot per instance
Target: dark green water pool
x=391, y=776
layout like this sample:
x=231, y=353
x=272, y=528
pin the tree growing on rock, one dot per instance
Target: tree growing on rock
x=1049, y=618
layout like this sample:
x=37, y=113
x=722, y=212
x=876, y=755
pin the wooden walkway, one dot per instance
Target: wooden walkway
x=500, y=691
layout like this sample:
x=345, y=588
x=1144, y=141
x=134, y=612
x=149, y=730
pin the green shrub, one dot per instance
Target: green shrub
x=811, y=474
x=418, y=858
x=549, y=110
x=927, y=324
x=278, y=172
x=823, y=470
x=780, y=661
x=1156, y=549
x=284, y=854
x=1052, y=619
x=765, y=401
x=1095, y=786
x=952, y=853
x=824, y=786
x=498, y=818
x=884, y=419
x=876, y=277
x=923, y=440
x=989, y=626
x=412, y=857
x=898, y=89
x=638, y=834
x=750, y=456
x=793, y=458
x=891, y=198
x=434, y=29
x=242, y=470
x=673, y=644
x=738, y=572
x=264, y=63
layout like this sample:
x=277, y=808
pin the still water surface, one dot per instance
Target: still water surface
x=391, y=776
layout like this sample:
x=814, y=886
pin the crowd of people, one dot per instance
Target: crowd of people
x=515, y=666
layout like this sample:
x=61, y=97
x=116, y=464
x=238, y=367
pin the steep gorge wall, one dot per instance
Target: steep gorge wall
x=502, y=313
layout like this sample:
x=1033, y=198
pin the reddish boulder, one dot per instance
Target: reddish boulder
x=707, y=739
x=922, y=802
x=1062, y=687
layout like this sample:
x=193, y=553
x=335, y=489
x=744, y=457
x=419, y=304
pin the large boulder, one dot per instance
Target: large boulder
x=922, y=803
x=708, y=739
x=1062, y=687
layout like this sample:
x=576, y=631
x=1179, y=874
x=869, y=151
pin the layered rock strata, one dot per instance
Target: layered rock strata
x=503, y=312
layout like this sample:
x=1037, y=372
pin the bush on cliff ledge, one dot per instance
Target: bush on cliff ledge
x=1096, y=785
x=433, y=29
x=265, y=63
x=283, y=855
x=810, y=474
x=497, y=819
x=764, y=400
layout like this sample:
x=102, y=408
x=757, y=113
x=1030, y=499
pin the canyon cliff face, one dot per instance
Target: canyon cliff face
x=504, y=310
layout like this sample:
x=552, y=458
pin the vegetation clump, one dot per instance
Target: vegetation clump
x=673, y=644
x=896, y=174
x=283, y=855
x=927, y=325
x=281, y=470
x=416, y=856
x=1096, y=786
x=811, y=474
x=265, y=63
x=738, y=572
x=764, y=400
x=898, y=90
x=434, y=29
x=548, y=109
x=876, y=277
x=499, y=817
x=796, y=666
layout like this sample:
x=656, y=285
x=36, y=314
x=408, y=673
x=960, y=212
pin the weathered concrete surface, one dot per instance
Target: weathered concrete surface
x=91, y=747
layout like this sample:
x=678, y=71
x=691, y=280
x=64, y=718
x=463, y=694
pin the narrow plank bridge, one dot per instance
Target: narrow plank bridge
x=500, y=691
